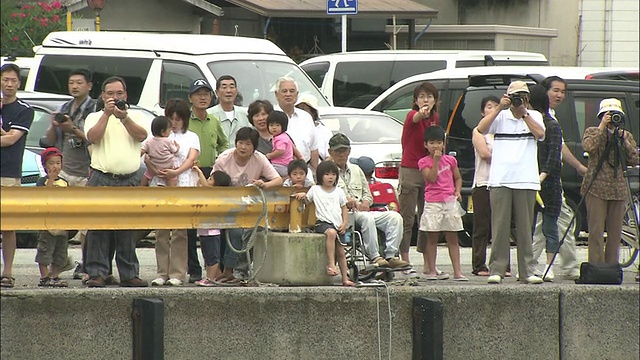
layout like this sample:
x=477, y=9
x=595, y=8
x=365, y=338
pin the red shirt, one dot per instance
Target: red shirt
x=413, y=139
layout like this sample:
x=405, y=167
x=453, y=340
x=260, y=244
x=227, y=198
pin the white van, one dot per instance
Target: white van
x=158, y=67
x=354, y=79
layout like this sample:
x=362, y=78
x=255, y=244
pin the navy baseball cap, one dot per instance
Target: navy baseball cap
x=199, y=84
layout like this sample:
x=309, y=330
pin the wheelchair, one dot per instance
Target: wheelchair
x=358, y=264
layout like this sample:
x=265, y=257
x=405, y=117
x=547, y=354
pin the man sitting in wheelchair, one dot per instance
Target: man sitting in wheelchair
x=356, y=186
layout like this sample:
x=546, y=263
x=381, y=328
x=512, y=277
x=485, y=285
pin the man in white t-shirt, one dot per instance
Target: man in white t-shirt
x=301, y=127
x=513, y=179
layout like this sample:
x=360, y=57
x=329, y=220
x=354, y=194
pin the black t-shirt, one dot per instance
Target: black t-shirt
x=17, y=115
x=60, y=182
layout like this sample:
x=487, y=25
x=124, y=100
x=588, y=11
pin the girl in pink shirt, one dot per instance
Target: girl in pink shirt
x=284, y=150
x=441, y=208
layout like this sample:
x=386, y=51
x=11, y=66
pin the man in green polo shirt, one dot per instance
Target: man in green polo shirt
x=213, y=141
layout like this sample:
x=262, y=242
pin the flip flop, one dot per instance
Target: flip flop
x=460, y=279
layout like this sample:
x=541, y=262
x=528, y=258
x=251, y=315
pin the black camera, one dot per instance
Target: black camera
x=617, y=118
x=121, y=104
x=516, y=100
x=60, y=118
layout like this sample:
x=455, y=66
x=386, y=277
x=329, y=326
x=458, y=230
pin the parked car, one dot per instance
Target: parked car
x=461, y=91
x=356, y=78
x=372, y=134
x=158, y=67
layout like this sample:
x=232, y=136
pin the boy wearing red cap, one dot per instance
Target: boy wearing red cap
x=52, y=244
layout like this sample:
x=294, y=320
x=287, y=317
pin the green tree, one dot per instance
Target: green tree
x=25, y=26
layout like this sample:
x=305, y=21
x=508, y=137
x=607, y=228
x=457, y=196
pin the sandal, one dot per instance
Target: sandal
x=57, y=282
x=45, y=281
x=331, y=271
x=7, y=282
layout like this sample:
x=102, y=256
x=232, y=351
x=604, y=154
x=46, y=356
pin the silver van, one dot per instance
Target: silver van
x=354, y=79
x=158, y=67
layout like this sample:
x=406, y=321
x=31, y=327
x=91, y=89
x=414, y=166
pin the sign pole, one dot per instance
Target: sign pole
x=344, y=33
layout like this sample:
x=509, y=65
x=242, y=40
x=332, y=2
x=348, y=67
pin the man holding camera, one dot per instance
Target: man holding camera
x=513, y=179
x=116, y=138
x=66, y=132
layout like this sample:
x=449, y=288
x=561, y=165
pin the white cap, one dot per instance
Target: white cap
x=607, y=105
x=309, y=100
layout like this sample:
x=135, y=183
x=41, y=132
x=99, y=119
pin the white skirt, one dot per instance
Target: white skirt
x=442, y=216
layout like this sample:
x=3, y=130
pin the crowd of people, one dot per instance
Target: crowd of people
x=519, y=151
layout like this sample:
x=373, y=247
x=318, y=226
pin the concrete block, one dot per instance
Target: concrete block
x=291, y=259
x=496, y=322
x=600, y=322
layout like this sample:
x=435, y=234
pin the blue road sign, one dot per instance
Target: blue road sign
x=342, y=7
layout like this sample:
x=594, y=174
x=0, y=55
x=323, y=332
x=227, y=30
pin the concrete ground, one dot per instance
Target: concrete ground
x=27, y=275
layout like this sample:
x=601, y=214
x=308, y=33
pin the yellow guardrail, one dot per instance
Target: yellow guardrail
x=100, y=208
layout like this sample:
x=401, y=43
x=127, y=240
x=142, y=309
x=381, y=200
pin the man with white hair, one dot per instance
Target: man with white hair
x=301, y=127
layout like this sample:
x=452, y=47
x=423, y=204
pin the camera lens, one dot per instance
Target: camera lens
x=121, y=104
x=616, y=118
x=59, y=117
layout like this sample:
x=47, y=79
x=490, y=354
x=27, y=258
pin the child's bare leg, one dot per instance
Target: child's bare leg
x=454, y=252
x=44, y=270
x=431, y=252
x=55, y=271
x=331, y=234
x=172, y=182
x=342, y=263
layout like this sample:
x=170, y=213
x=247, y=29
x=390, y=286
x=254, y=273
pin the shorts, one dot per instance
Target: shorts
x=6, y=181
x=441, y=216
x=52, y=249
x=281, y=169
x=210, y=247
x=322, y=227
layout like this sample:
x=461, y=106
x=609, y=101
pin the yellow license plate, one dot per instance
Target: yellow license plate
x=469, y=205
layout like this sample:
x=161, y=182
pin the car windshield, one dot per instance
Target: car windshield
x=365, y=128
x=256, y=79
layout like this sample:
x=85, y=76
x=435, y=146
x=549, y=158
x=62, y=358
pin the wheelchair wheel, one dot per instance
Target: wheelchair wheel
x=630, y=234
x=353, y=272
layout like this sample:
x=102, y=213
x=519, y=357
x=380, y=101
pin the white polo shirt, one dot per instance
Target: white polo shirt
x=303, y=132
x=514, y=160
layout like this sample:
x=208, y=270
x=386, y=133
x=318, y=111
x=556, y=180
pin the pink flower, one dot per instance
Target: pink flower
x=55, y=18
x=56, y=5
x=23, y=15
x=15, y=38
x=13, y=15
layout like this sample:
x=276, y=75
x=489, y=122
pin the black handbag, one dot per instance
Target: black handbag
x=600, y=274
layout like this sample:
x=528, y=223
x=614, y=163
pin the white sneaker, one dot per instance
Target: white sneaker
x=550, y=276
x=157, y=282
x=494, y=279
x=174, y=282
x=533, y=280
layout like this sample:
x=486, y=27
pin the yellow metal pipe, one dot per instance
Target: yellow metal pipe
x=69, y=21
x=40, y=208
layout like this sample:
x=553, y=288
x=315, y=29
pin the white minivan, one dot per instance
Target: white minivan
x=158, y=67
x=354, y=79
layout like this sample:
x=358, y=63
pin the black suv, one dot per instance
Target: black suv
x=461, y=94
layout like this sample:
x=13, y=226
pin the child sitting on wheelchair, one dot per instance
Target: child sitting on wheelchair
x=331, y=213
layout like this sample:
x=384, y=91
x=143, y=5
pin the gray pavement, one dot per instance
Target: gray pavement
x=27, y=275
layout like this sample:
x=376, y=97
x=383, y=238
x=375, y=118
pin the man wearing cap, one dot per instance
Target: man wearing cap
x=213, y=141
x=301, y=127
x=356, y=186
x=605, y=189
x=231, y=116
x=17, y=117
x=115, y=137
x=513, y=179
